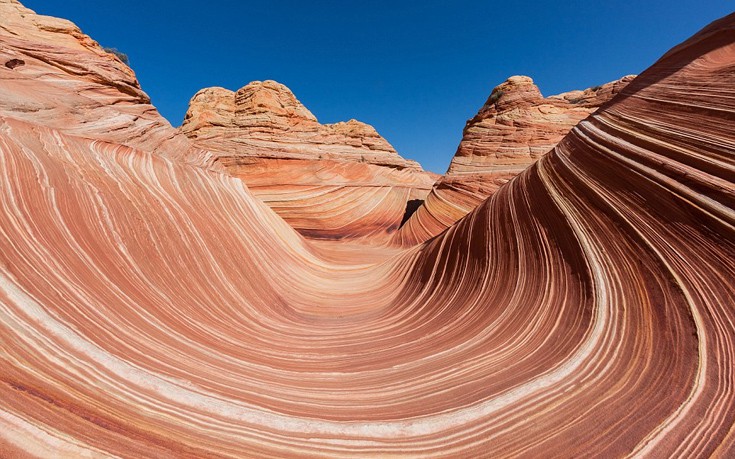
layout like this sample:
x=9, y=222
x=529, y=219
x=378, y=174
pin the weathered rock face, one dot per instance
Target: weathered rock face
x=265, y=120
x=329, y=181
x=513, y=129
x=517, y=125
x=56, y=76
x=68, y=82
x=152, y=308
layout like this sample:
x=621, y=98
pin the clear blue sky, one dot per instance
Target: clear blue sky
x=416, y=70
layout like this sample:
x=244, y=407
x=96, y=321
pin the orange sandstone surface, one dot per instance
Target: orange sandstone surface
x=328, y=181
x=515, y=127
x=152, y=306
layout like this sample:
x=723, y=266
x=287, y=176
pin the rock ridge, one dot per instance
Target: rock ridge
x=265, y=119
x=329, y=181
x=515, y=127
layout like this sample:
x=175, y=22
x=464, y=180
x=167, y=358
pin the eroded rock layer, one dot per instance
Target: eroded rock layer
x=153, y=308
x=330, y=181
x=513, y=129
x=53, y=74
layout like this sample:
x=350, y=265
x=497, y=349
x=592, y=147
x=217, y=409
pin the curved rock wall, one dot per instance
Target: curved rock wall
x=152, y=308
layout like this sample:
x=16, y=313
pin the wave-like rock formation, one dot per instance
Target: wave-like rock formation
x=329, y=181
x=513, y=129
x=151, y=307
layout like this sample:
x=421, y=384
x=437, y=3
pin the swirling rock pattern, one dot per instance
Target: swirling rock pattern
x=331, y=181
x=154, y=308
x=513, y=129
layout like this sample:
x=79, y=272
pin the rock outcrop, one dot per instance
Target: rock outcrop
x=517, y=125
x=513, y=129
x=55, y=75
x=151, y=307
x=265, y=120
x=329, y=181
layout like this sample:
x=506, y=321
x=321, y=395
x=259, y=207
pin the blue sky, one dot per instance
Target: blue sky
x=416, y=70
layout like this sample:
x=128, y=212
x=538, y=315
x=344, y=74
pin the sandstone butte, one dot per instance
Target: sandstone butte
x=152, y=306
x=330, y=181
x=515, y=127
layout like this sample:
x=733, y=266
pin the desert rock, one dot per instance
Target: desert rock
x=329, y=181
x=152, y=306
x=513, y=129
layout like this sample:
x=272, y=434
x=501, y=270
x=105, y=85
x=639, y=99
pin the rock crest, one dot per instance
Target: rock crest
x=514, y=128
x=264, y=135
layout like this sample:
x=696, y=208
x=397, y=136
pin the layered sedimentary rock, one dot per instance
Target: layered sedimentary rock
x=513, y=129
x=264, y=119
x=330, y=181
x=152, y=308
x=61, y=78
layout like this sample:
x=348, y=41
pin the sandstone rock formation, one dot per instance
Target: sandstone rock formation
x=150, y=307
x=328, y=181
x=513, y=129
x=265, y=120
x=68, y=82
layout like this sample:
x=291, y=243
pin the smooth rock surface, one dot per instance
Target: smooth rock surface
x=152, y=307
